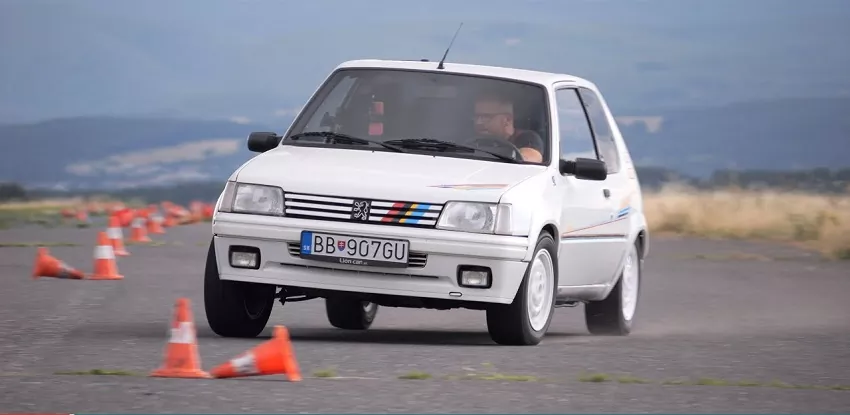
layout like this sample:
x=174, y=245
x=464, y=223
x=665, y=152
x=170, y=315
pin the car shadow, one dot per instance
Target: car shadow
x=388, y=336
x=151, y=330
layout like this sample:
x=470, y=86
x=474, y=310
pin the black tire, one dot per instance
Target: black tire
x=235, y=308
x=349, y=313
x=510, y=324
x=606, y=317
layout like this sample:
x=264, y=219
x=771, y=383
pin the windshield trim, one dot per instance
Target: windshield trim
x=408, y=151
x=323, y=91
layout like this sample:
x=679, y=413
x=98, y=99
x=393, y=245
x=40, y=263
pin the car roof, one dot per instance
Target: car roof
x=544, y=78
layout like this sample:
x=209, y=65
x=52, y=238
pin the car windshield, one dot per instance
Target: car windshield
x=436, y=113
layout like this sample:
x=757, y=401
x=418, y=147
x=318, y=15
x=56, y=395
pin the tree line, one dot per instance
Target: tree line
x=818, y=180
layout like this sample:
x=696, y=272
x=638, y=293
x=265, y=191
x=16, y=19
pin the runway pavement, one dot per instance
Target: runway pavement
x=712, y=314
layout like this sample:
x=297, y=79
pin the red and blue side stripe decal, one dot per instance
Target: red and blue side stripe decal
x=621, y=215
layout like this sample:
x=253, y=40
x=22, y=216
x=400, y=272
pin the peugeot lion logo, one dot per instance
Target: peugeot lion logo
x=360, y=210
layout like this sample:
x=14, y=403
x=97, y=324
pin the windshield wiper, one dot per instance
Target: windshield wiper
x=344, y=138
x=441, y=145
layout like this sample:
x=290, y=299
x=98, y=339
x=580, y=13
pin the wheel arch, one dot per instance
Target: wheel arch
x=640, y=229
x=546, y=226
x=642, y=240
x=551, y=228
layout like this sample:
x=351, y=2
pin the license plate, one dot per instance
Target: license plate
x=354, y=250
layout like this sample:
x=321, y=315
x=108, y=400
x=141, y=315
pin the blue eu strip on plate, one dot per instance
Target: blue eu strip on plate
x=306, y=243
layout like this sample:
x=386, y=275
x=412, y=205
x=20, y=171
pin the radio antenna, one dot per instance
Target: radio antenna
x=440, y=66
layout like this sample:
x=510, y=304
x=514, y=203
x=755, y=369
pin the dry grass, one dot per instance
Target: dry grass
x=704, y=381
x=101, y=372
x=40, y=205
x=48, y=212
x=821, y=222
x=35, y=244
x=43, y=212
x=415, y=375
x=325, y=373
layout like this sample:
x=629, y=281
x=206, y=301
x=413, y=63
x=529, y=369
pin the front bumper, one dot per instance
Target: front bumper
x=435, y=256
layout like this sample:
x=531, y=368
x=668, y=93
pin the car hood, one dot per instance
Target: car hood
x=383, y=175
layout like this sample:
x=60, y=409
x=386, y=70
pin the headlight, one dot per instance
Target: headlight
x=468, y=217
x=252, y=198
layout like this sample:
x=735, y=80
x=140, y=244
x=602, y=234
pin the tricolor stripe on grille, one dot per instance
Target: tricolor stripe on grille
x=413, y=213
x=381, y=211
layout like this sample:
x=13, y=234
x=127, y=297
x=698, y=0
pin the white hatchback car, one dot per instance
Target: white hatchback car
x=408, y=184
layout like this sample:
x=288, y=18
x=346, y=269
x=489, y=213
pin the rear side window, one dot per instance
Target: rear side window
x=601, y=130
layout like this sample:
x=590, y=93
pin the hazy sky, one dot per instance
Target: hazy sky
x=256, y=60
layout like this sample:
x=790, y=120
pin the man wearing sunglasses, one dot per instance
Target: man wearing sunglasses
x=494, y=117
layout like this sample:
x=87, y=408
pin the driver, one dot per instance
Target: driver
x=494, y=117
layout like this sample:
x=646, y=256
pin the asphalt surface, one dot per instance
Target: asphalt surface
x=723, y=312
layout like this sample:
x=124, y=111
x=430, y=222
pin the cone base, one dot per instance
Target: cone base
x=122, y=253
x=36, y=277
x=180, y=373
x=222, y=373
x=105, y=277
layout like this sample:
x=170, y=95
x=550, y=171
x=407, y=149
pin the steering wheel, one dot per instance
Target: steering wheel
x=499, y=145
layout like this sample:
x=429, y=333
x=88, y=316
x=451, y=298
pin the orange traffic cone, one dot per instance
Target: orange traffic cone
x=170, y=222
x=48, y=266
x=83, y=217
x=104, y=260
x=116, y=236
x=271, y=357
x=138, y=233
x=208, y=211
x=125, y=216
x=155, y=224
x=181, y=354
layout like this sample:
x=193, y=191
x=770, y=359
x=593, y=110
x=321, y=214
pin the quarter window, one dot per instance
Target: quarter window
x=574, y=130
x=601, y=130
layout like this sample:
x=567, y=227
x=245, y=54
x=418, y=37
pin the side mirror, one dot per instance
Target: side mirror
x=260, y=142
x=584, y=168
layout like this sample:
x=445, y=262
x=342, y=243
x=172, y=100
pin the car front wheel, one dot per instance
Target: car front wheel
x=526, y=320
x=235, y=308
x=350, y=313
x=615, y=314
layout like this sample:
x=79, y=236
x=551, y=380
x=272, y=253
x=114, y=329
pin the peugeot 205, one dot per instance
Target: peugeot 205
x=413, y=184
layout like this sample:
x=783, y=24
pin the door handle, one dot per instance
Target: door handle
x=606, y=192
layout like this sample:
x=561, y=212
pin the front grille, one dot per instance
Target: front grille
x=347, y=209
x=414, y=260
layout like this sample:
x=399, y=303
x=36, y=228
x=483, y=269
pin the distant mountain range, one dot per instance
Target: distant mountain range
x=781, y=134
x=114, y=152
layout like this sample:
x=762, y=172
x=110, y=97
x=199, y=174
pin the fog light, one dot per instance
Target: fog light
x=244, y=257
x=474, y=277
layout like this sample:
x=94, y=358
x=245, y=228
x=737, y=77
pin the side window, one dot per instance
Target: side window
x=601, y=130
x=574, y=130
